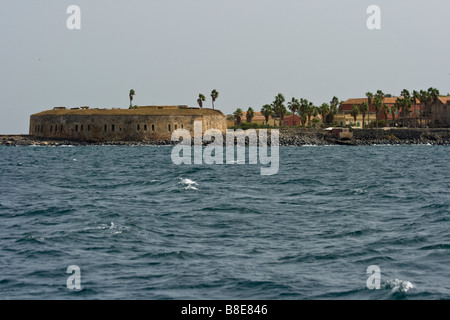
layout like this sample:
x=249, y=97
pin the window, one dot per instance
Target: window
x=176, y=126
x=89, y=127
x=112, y=127
x=169, y=127
x=145, y=127
x=82, y=128
x=76, y=128
x=153, y=127
x=182, y=126
x=138, y=127
x=106, y=127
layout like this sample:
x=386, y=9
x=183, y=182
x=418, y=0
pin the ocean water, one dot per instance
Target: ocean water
x=140, y=227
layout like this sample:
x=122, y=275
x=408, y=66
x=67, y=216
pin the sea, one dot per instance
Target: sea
x=125, y=222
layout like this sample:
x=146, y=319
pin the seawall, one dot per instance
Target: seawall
x=288, y=137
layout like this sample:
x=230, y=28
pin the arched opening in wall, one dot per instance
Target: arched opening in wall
x=153, y=127
x=56, y=128
x=169, y=127
x=106, y=127
x=112, y=127
x=176, y=127
x=145, y=127
x=82, y=127
x=51, y=128
x=76, y=128
x=138, y=127
x=60, y=128
x=89, y=127
x=182, y=126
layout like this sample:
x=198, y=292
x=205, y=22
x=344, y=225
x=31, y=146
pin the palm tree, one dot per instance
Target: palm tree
x=415, y=98
x=424, y=101
x=250, y=114
x=279, y=108
x=385, y=112
x=364, y=108
x=311, y=110
x=303, y=110
x=294, y=105
x=354, y=112
x=434, y=97
x=393, y=109
x=324, y=109
x=214, y=96
x=132, y=94
x=200, y=100
x=333, y=112
x=369, y=96
x=379, y=101
x=399, y=107
x=406, y=104
x=267, y=111
x=237, y=116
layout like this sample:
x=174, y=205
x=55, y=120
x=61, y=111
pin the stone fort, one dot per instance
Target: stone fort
x=143, y=123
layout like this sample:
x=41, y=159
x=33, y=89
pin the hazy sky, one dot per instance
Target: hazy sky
x=169, y=51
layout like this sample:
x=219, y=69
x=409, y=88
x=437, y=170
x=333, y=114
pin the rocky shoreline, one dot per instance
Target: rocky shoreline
x=288, y=137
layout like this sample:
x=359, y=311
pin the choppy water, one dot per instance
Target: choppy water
x=140, y=227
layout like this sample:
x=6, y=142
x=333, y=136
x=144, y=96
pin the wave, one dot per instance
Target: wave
x=396, y=285
x=188, y=184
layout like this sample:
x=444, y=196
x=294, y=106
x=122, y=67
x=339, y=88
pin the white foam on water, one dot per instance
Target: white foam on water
x=189, y=184
x=397, y=285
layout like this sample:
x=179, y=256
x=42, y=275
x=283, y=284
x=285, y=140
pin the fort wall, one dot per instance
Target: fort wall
x=151, y=123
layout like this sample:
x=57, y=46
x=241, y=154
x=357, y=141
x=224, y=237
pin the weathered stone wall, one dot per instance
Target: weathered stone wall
x=98, y=127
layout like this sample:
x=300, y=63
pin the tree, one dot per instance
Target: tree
x=334, y=105
x=393, y=109
x=424, y=101
x=399, y=106
x=434, y=98
x=415, y=99
x=131, y=95
x=333, y=112
x=406, y=104
x=250, y=114
x=267, y=111
x=354, y=112
x=379, y=101
x=279, y=108
x=310, y=111
x=237, y=116
x=324, y=109
x=214, y=96
x=294, y=105
x=303, y=110
x=364, y=108
x=200, y=100
x=369, y=96
x=385, y=111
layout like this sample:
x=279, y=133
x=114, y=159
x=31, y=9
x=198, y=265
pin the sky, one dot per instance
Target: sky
x=169, y=51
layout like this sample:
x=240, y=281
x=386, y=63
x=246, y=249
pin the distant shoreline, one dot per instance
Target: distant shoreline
x=288, y=137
